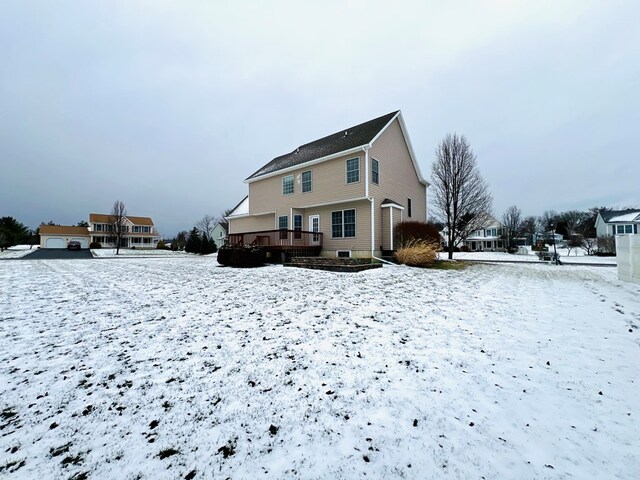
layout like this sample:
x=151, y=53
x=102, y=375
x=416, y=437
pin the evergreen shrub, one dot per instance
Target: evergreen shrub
x=241, y=256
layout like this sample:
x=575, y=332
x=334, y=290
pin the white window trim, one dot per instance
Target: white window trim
x=378, y=163
x=355, y=223
x=338, y=252
x=293, y=184
x=346, y=171
x=283, y=216
x=302, y=182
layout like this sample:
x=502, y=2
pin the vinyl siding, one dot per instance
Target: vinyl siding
x=385, y=230
x=362, y=240
x=398, y=178
x=328, y=185
x=252, y=224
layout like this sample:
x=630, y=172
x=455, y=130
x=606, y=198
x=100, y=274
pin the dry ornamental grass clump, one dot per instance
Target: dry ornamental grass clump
x=418, y=253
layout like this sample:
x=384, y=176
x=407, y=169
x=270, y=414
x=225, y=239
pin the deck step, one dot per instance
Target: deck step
x=333, y=264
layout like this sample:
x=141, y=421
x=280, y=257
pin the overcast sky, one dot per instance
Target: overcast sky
x=169, y=106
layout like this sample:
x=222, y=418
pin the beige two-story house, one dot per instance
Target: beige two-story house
x=138, y=232
x=345, y=192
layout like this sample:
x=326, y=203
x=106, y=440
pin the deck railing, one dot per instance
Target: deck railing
x=277, y=239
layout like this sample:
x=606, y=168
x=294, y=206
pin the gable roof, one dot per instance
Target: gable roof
x=242, y=208
x=223, y=224
x=629, y=217
x=345, y=139
x=103, y=218
x=388, y=201
x=63, y=230
x=610, y=215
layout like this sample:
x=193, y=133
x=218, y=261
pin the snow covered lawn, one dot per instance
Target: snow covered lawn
x=532, y=257
x=18, y=251
x=175, y=368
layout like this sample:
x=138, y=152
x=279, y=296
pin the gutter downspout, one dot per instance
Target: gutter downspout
x=373, y=202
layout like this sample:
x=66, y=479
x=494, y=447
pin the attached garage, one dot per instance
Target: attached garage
x=58, y=236
x=84, y=241
x=55, y=242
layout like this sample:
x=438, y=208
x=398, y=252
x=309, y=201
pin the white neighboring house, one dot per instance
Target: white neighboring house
x=58, y=236
x=488, y=238
x=219, y=233
x=617, y=222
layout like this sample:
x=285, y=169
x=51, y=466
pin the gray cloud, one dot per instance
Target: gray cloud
x=168, y=106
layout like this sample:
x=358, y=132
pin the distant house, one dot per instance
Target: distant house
x=340, y=195
x=139, y=232
x=486, y=238
x=58, y=236
x=219, y=233
x=617, y=222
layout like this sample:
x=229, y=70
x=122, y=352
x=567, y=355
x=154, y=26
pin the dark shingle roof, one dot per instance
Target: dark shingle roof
x=345, y=139
x=388, y=201
x=609, y=214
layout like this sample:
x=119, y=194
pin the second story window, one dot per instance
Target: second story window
x=375, y=171
x=287, y=185
x=306, y=181
x=353, y=170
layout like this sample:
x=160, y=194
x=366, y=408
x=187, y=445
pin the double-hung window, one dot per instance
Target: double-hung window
x=283, y=225
x=343, y=223
x=375, y=171
x=297, y=226
x=353, y=170
x=306, y=181
x=287, y=185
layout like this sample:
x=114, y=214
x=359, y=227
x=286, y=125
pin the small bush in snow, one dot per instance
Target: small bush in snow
x=418, y=253
x=95, y=245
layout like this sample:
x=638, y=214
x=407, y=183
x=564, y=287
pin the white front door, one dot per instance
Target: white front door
x=314, y=226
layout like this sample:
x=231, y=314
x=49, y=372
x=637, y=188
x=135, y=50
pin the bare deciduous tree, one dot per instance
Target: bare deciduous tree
x=206, y=225
x=460, y=193
x=511, y=224
x=118, y=214
x=529, y=228
x=589, y=245
x=574, y=220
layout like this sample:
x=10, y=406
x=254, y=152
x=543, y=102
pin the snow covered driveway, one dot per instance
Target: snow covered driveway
x=176, y=368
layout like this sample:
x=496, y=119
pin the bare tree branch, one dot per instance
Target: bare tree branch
x=118, y=215
x=511, y=225
x=206, y=225
x=461, y=195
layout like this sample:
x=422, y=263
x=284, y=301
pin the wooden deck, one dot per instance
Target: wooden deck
x=279, y=243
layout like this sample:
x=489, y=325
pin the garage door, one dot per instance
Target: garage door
x=84, y=243
x=56, y=243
